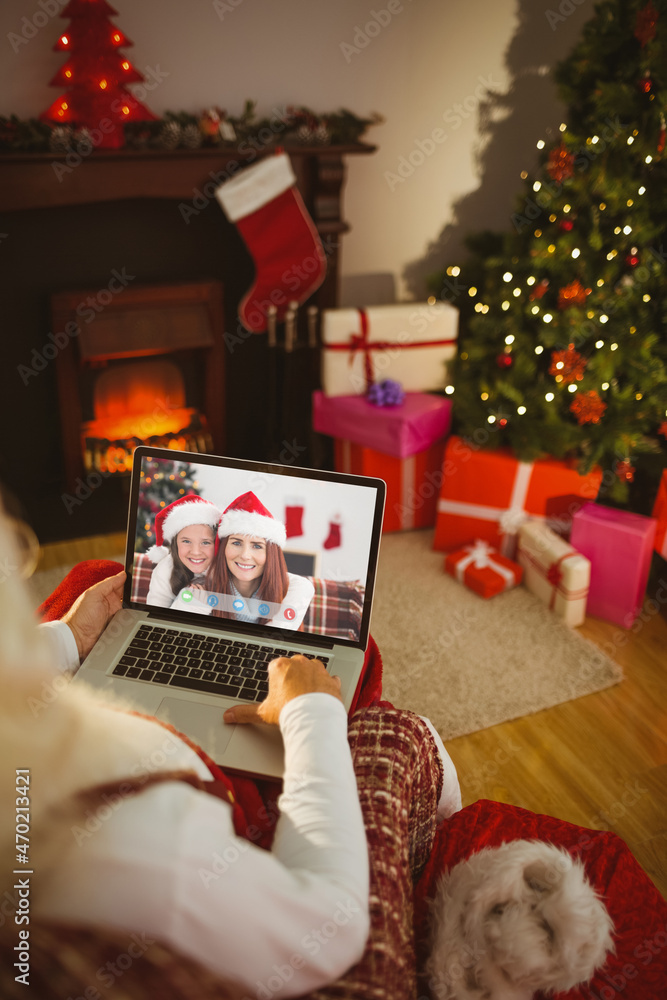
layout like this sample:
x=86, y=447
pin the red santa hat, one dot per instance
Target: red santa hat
x=182, y=513
x=248, y=516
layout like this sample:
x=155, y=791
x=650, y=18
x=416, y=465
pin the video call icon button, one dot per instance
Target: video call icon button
x=290, y=614
x=187, y=596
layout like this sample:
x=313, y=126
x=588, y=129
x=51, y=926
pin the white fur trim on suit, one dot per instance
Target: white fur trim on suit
x=187, y=514
x=157, y=553
x=243, y=522
x=256, y=186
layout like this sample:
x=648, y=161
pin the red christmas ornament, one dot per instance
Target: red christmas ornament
x=539, y=290
x=632, y=260
x=587, y=407
x=502, y=422
x=573, y=294
x=647, y=18
x=96, y=75
x=566, y=225
x=645, y=84
x=625, y=472
x=567, y=366
x=561, y=164
x=504, y=361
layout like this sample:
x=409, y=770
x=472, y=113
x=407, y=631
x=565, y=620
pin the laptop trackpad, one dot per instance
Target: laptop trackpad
x=200, y=721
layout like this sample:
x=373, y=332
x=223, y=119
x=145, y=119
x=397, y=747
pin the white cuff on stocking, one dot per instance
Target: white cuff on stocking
x=256, y=186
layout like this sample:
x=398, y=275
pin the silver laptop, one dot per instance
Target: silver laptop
x=186, y=663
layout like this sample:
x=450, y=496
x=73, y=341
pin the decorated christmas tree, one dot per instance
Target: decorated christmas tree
x=563, y=346
x=96, y=75
x=162, y=482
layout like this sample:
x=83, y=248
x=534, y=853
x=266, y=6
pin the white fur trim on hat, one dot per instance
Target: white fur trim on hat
x=157, y=553
x=256, y=186
x=244, y=522
x=186, y=514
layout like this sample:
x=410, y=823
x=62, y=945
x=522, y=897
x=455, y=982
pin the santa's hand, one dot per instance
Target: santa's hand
x=90, y=613
x=289, y=677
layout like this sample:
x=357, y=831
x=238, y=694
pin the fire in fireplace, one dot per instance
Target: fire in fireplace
x=143, y=402
x=147, y=369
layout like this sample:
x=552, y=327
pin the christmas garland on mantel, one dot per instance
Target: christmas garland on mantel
x=288, y=126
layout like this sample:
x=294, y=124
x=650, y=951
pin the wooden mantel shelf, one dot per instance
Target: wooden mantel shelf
x=45, y=180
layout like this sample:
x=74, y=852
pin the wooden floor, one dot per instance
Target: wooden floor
x=599, y=761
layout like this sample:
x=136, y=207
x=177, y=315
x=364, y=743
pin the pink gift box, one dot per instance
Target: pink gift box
x=619, y=545
x=403, y=430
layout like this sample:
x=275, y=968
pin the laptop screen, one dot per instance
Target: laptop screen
x=253, y=546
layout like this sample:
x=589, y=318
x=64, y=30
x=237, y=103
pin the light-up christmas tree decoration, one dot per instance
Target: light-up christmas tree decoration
x=96, y=74
x=162, y=482
x=574, y=295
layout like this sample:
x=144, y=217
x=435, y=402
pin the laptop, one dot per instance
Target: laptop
x=185, y=664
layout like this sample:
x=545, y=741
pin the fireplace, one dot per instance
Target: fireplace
x=119, y=214
x=145, y=366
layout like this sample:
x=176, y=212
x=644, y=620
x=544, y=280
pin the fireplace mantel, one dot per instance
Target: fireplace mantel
x=46, y=180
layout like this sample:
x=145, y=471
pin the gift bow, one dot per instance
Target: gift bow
x=480, y=556
x=511, y=520
x=554, y=574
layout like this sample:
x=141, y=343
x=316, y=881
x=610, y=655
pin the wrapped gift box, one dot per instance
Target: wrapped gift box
x=401, y=431
x=483, y=569
x=660, y=514
x=412, y=482
x=409, y=342
x=488, y=494
x=554, y=571
x=619, y=545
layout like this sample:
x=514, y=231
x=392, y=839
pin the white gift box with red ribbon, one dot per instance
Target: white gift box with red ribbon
x=554, y=571
x=409, y=342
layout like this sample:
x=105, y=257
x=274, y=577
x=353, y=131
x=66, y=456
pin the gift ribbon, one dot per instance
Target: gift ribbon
x=408, y=482
x=360, y=342
x=509, y=518
x=554, y=574
x=479, y=556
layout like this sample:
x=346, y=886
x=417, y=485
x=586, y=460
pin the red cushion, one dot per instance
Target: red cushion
x=638, y=970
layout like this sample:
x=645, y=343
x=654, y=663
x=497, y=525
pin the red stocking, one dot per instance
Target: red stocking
x=271, y=217
x=293, y=515
x=333, y=541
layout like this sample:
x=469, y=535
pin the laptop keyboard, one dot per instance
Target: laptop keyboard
x=230, y=667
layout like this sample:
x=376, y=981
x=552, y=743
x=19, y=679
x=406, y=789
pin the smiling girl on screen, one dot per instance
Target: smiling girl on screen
x=249, y=566
x=184, y=549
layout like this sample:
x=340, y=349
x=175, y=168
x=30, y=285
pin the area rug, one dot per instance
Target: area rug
x=469, y=663
x=465, y=662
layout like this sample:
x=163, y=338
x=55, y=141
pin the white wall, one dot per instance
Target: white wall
x=425, y=68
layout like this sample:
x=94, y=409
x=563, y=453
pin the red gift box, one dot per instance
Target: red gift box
x=419, y=421
x=412, y=483
x=488, y=494
x=660, y=514
x=483, y=569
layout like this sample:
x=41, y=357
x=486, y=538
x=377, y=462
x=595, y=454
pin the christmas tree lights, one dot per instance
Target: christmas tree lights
x=563, y=346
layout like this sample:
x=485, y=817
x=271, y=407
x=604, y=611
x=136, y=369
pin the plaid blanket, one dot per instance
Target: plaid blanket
x=335, y=609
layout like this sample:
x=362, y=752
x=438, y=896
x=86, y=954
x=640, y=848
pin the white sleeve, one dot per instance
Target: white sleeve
x=299, y=595
x=160, y=594
x=63, y=645
x=168, y=864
